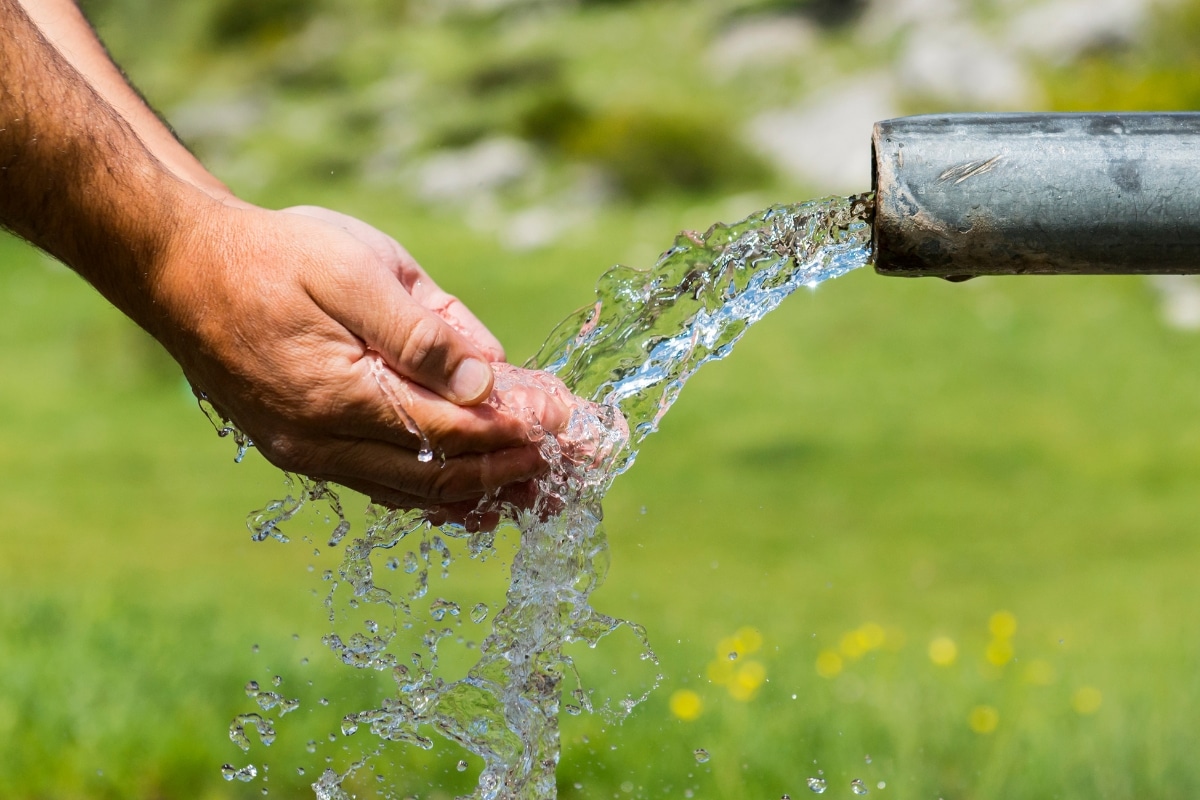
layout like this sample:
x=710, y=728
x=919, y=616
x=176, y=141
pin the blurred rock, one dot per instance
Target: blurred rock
x=544, y=224
x=956, y=64
x=536, y=227
x=945, y=54
x=885, y=17
x=1065, y=29
x=1179, y=300
x=218, y=118
x=456, y=176
x=762, y=41
x=826, y=142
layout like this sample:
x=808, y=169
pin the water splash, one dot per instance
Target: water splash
x=649, y=331
x=629, y=353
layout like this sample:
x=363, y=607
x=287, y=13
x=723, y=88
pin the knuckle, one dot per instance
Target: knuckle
x=288, y=452
x=425, y=346
x=444, y=486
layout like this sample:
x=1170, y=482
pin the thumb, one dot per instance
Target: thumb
x=419, y=345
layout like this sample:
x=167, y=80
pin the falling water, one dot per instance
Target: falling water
x=629, y=354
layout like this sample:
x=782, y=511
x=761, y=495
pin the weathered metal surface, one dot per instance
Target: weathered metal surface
x=1002, y=194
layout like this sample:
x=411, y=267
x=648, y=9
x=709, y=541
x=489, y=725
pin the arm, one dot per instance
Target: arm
x=279, y=317
x=65, y=28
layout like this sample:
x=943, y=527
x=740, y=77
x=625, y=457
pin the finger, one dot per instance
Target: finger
x=456, y=313
x=414, y=341
x=375, y=403
x=395, y=475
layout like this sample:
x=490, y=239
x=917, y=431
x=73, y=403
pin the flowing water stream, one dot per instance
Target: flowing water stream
x=629, y=354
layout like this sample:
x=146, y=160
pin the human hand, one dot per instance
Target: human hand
x=579, y=453
x=324, y=341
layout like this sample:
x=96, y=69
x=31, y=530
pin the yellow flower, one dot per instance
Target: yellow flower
x=749, y=639
x=720, y=671
x=852, y=646
x=860, y=641
x=983, y=719
x=750, y=676
x=1002, y=625
x=943, y=651
x=686, y=705
x=1086, y=700
x=872, y=635
x=829, y=664
x=999, y=652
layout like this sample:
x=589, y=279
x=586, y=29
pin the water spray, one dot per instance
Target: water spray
x=1011, y=194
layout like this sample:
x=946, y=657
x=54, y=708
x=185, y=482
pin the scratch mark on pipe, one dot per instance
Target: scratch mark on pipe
x=969, y=170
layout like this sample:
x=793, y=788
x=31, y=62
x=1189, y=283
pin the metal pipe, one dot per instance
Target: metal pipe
x=1007, y=194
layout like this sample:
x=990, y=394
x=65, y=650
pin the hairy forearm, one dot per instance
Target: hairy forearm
x=75, y=179
x=64, y=26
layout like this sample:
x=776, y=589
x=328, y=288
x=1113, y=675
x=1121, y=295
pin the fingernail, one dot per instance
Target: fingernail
x=471, y=381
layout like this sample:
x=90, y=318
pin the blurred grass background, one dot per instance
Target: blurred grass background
x=846, y=504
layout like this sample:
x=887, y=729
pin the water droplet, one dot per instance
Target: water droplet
x=277, y=680
x=858, y=787
x=425, y=455
x=349, y=725
x=786, y=797
x=393, y=563
x=372, y=626
x=254, y=648
x=462, y=766
x=816, y=785
x=299, y=770
x=867, y=758
x=881, y=785
x=733, y=656
x=410, y=562
x=701, y=755
x=252, y=688
x=311, y=746
x=245, y=774
x=479, y=613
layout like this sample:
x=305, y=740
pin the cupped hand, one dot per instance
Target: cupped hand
x=580, y=451
x=327, y=344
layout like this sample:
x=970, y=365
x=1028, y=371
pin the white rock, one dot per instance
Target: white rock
x=957, y=64
x=1179, y=296
x=218, y=118
x=826, y=142
x=764, y=41
x=884, y=18
x=1063, y=29
x=454, y=176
